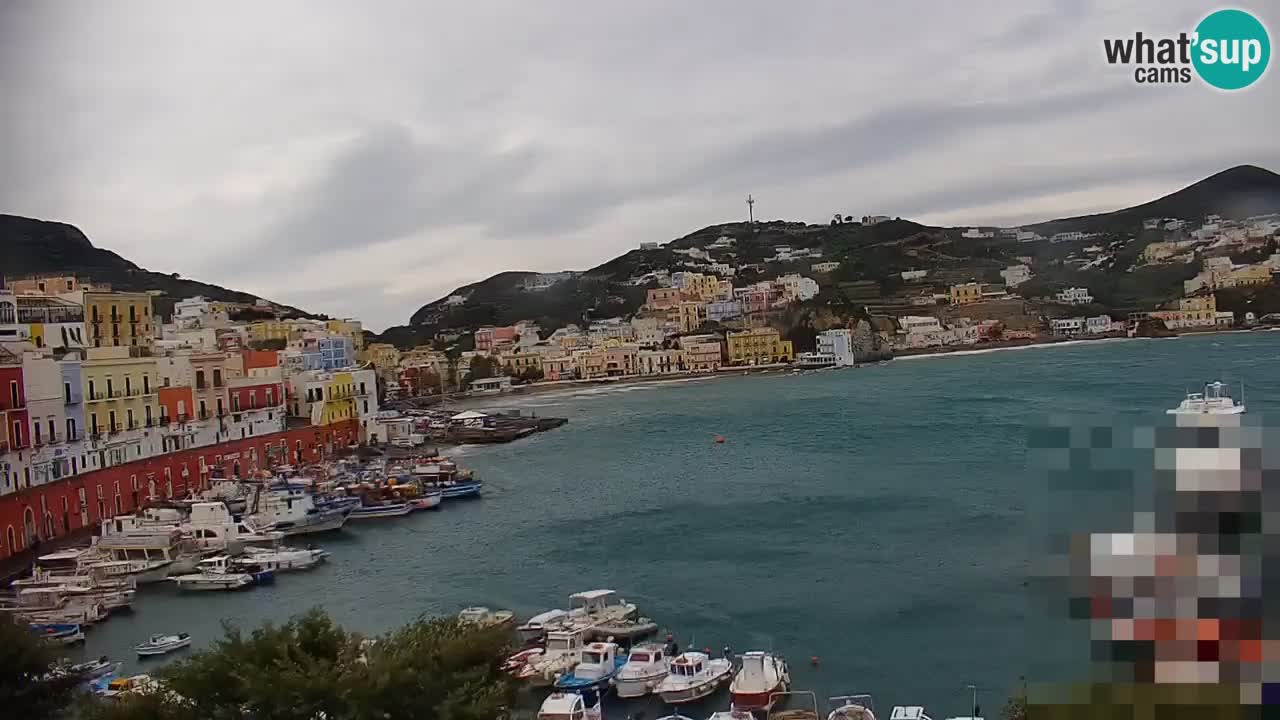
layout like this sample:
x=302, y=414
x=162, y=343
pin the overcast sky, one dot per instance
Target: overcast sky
x=362, y=159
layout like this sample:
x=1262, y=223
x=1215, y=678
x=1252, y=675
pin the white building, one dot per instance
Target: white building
x=649, y=246
x=797, y=287
x=825, y=267
x=1067, y=326
x=874, y=219
x=1067, y=236
x=1029, y=236
x=1074, y=296
x=694, y=253
x=976, y=234
x=1098, y=325
x=1175, y=224
x=919, y=324
x=1151, y=224
x=1015, y=275
x=913, y=275
x=838, y=344
x=722, y=269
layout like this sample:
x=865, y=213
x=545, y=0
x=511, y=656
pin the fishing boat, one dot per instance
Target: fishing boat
x=536, y=627
x=571, y=706
x=693, y=676
x=598, y=664
x=293, y=511
x=646, y=666
x=541, y=666
x=1214, y=400
x=484, y=616
x=62, y=633
x=852, y=707
x=628, y=630
x=599, y=607
x=163, y=644
x=427, y=500
x=381, y=510
x=758, y=681
x=215, y=573
x=445, y=476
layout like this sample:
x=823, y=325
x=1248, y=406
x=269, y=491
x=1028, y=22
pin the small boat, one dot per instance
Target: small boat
x=541, y=666
x=693, y=676
x=625, y=629
x=908, y=712
x=454, y=489
x=163, y=644
x=571, y=706
x=646, y=666
x=94, y=669
x=1215, y=400
x=485, y=616
x=381, y=510
x=732, y=715
x=536, y=627
x=126, y=685
x=597, y=607
x=596, y=668
x=281, y=559
x=215, y=573
x=759, y=680
x=852, y=707
x=63, y=633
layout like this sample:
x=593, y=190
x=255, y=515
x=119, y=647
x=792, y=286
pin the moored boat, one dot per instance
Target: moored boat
x=63, y=633
x=646, y=666
x=598, y=664
x=852, y=707
x=163, y=644
x=625, y=629
x=381, y=510
x=571, y=706
x=485, y=616
x=215, y=573
x=541, y=666
x=427, y=500
x=908, y=712
x=693, y=676
x=758, y=681
x=535, y=628
x=599, y=607
x=280, y=559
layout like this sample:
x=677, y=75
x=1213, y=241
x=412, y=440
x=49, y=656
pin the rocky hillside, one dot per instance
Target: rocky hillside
x=39, y=246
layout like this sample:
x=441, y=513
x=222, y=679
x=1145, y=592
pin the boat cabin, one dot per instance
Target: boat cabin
x=561, y=642
x=599, y=653
x=852, y=707
x=689, y=664
x=646, y=654
x=908, y=712
x=593, y=601
x=155, y=545
x=570, y=706
x=62, y=562
x=216, y=564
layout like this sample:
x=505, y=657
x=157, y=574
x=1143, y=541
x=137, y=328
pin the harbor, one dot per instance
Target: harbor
x=812, y=531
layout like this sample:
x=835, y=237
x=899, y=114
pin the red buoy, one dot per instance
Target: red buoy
x=814, y=661
x=719, y=439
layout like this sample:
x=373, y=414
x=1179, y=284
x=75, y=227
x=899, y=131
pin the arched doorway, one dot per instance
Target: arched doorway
x=31, y=532
x=235, y=470
x=11, y=540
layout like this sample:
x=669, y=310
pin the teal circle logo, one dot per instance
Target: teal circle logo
x=1232, y=49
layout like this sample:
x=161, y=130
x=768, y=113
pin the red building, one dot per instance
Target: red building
x=254, y=393
x=13, y=406
x=81, y=502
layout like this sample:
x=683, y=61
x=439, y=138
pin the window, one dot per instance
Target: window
x=235, y=403
x=93, y=423
x=204, y=411
x=146, y=384
x=91, y=391
x=148, y=415
x=111, y=419
x=36, y=427
x=110, y=390
x=128, y=415
x=199, y=379
x=220, y=409
x=128, y=386
x=217, y=377
x=17, y=434
x=366, y=407
x=71, y=432
x=269, y=397
x=66, y=393
x=53, y=431
x=253, y=398
x=165, y=381
x=182, y=407
x=14, y=396
x=362, y=392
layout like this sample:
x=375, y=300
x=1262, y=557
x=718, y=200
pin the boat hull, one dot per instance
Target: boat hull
x=635, y=686
x=376, y=513
x=755, y=700
x=690, y=693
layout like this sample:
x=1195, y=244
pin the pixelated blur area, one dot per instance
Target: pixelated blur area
x=1161, y=547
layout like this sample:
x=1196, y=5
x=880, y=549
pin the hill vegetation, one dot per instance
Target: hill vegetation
x=32, y=247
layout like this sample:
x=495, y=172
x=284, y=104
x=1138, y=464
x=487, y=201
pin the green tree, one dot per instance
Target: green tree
x=26, y=690
x=482, y=366
x=310, y=668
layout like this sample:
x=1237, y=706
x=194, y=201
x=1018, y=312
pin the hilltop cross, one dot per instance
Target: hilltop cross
x=751, y=214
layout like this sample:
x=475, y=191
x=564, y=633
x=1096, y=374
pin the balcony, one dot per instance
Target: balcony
x=164, y=419
x=183, y=417
x=201, y=386
x=117, y=428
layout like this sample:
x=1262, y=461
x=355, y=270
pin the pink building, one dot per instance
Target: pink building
x=490, y=338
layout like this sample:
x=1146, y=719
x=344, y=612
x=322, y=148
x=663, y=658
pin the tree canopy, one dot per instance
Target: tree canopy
x=27, y=690
x=310, y=668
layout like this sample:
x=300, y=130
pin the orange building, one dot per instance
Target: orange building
x=176, y=404
x=256, y=359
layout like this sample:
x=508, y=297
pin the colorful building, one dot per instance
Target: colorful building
x=353, y=330
x=114, y=319
x=120, y=390
x=692, y=315
x=966, y=293
x=758, y=346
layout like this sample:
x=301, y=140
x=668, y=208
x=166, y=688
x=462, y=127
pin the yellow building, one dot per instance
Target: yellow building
x=120, y=390
x=758, y=346
x=966, y=293
x=692, y=315
x=383, y=356
x=113, y=319
x=351, y=328
x=339, y=399
x=263, y=330
x=518, y=362
x=590, y=363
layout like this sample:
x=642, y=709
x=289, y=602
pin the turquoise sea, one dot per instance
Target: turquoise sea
x=875, y=519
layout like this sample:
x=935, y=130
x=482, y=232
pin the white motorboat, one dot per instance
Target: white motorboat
x=163, y=644
x=597, y=607
x=281, y=559
x=852, y=707
x=1214, y=400
x=293, y=511
x=381, y=510
x=571, y=706
x=758, y=682
x=485, y=616
x=215, y=573
x=908, y=712
x=92, y=670
x=732, y=715
x=536, y=627
x=598, y=666
x=693, y=676
x=541, y=666
x=646, y=666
